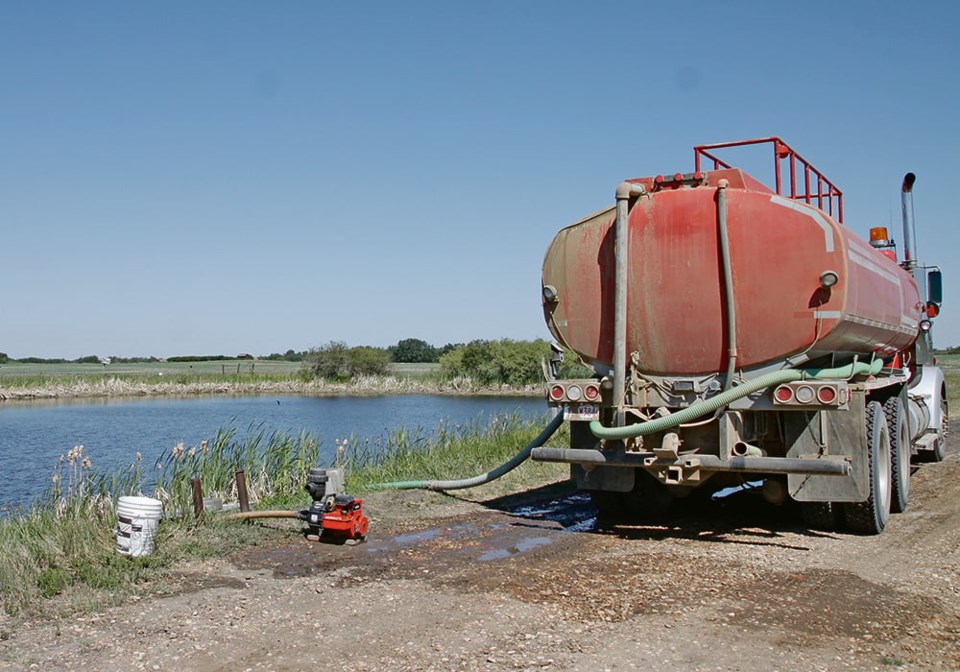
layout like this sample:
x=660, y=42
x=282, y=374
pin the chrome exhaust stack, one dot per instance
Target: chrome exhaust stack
x=909, y=225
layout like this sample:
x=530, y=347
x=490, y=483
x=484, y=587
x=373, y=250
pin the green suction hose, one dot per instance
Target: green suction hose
x=724, y=398
x=643, y=428
x=492, y=475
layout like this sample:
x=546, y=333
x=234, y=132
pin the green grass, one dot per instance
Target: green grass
x=951, y=372
x=414, y=369
x=59, y=556
x=447, y=453
x=18, y=375
x=16, y=370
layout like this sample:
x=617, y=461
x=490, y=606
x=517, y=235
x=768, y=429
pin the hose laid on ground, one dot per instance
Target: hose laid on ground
x=724, y=398
x=492, y=475
x=246, y=515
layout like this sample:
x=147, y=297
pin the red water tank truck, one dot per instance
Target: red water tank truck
x=740, y=332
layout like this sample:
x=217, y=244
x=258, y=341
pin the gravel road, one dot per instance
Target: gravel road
x=507, y=585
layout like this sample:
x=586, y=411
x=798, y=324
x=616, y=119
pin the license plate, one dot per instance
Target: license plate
x=581, y=412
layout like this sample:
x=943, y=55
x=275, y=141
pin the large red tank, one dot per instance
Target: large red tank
x=676, y=319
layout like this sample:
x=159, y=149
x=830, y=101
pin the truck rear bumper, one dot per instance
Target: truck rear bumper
x=706, y=463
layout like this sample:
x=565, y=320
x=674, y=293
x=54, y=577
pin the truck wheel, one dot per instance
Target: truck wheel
x=938, y=451
x=899, y=453
x=608, y=504
x=870, y=517
x=649, y=500
x=824, y=516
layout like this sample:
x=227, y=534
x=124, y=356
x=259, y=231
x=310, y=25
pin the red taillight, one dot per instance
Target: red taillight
x=827, y=395
x=783, y=394
x=557, y=392
x=591, y=393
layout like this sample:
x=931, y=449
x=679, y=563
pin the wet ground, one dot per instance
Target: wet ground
x=534, y=583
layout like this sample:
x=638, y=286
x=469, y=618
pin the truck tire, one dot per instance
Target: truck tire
x=609, y=507
x=648, y=501
x=871, y=516
x=899, y=432
x=937, y=451
x=823, y=516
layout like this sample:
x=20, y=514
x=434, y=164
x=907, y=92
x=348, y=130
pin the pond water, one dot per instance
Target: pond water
x=34, y=435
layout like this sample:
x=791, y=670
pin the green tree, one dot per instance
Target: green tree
x=449, y=347
x=451, y=363
x=337, y=361
x=413, y=350
x=367, y=360
x=497, y=362
x=328, y=361
x=4, y=358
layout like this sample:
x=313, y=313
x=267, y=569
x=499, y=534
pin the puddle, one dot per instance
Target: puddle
x=521, y=546
x=532, y=542
x=729, y=492
x=573, y=513
x=495, y=554
x=420, y=537
x=416, y=537
x=540, y=529
x=586, y=525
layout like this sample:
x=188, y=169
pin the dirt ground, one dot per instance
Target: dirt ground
x=533, y=585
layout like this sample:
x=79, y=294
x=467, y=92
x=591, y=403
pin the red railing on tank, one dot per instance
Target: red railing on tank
x=826, y=196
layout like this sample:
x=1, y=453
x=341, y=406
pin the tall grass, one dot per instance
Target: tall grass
x=448, y=452
x=63, y=545
x=275, y=465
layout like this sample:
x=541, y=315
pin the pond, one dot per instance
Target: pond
x=34, y=435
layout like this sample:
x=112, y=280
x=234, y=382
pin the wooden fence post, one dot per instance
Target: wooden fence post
x=197, y=499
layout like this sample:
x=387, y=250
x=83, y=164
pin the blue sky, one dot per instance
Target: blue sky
x=225, y=177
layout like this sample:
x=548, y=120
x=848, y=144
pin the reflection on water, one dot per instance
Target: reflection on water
x=33, y=435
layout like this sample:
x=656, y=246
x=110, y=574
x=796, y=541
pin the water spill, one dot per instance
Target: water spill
x=531, y=543
x=729, y=492
x=495, y=554
x=586, y=525
x=416, y=537
x=572, y=513
x=521, y=546
x=420, y=537
x=513, y=532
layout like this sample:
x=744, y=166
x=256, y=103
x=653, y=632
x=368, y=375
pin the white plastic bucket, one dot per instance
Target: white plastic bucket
x=137, y=519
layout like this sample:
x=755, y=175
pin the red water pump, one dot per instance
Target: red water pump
x=333, y=515
x=345, y=520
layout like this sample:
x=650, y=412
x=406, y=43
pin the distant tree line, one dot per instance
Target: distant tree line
x=338, y=361
x=487, y=362
x=288, y=356
x=86, y=359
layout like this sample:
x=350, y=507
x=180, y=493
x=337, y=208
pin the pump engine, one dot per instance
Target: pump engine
x=333, y=514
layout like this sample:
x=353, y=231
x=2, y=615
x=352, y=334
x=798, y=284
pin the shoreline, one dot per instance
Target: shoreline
x=362, y=386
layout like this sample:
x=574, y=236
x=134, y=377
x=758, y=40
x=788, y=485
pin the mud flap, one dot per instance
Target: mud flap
x=829, y=434
x=611, y=479
x=589, y=477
